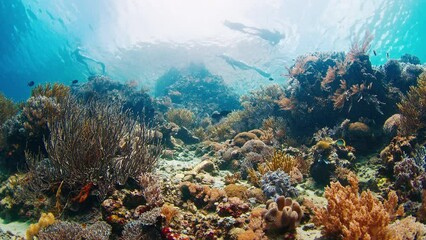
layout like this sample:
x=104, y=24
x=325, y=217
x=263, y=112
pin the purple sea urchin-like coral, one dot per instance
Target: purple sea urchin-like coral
x=276, y=184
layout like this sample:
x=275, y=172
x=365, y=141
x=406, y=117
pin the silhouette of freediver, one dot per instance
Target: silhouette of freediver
x=83, y=59
x=273, y=37
x=243, y=66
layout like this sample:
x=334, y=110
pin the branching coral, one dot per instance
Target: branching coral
x=413, y=108
x=96, y=144
x=356, y=216
x=329, y=78
x=300, y=65
x=279, y=161
x=57, y=91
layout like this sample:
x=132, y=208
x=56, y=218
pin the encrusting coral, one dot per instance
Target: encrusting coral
x=350, y=215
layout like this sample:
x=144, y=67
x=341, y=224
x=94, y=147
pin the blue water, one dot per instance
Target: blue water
x=244, y=41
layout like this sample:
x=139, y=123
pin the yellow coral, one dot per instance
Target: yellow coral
x=279, y=161
x=44, y=221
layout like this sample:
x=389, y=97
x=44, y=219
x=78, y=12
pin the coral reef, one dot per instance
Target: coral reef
x=197, y=89
x=27, y=130
x=103, y=88
x=230, y=169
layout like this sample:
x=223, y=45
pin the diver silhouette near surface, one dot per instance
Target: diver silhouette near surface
x=85, y=60
x=243, y=66
x=273, y=37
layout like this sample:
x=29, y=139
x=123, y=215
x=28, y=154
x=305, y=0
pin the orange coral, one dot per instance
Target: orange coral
x=356, y=216
x=340, y=96
x=84, y=193
x=169, y=212
x=299, y=66
x=329, y=78
x=202, y=195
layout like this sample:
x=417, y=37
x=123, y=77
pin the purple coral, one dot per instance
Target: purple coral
x=409, y=178
x=276, y=184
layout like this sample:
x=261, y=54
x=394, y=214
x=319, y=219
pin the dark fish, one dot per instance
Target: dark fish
x=31, y=83
x=374, y=51
x=219, y=115
x=75, y=81
x=271, y=79
x=387, y=55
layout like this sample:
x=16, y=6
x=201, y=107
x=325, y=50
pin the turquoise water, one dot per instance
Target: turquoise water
x=243, y=41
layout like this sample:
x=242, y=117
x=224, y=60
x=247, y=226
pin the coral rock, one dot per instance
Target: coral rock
x=359, y=129
x=243, y=137
x=391, y=125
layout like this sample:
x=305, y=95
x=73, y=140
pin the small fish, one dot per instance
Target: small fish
x=340, y=143
x=31, y=83
x=387, y=55
x=271, y=79
x=219, y=115
x=75, y=81
x=374, y=52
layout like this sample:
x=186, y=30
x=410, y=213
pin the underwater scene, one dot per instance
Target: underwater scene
x=214, y=119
